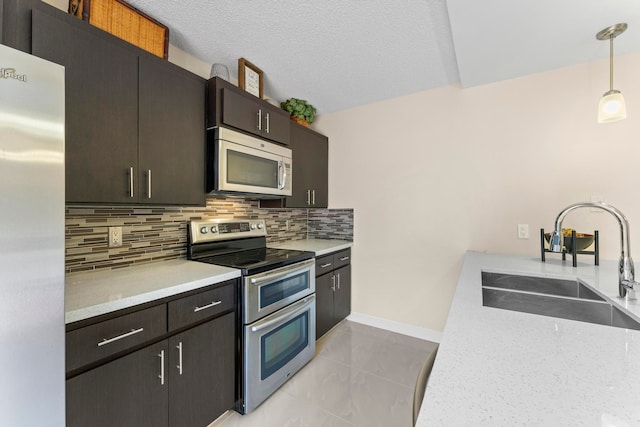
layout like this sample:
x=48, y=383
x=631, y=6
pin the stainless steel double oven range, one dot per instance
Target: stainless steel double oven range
x=277, y=333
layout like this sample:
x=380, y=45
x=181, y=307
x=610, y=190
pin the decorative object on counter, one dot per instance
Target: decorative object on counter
x=250, y=78
x=300, y=110
x=612, y=107
x=126, y=22
x=220, y=70
x=579, y=241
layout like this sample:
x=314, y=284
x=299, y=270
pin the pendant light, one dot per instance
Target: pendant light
x=612, y=107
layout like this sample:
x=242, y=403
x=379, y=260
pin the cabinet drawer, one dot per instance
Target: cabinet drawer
x=342, y=258
x=194, y=308
x=92, y=343
x=324, y=264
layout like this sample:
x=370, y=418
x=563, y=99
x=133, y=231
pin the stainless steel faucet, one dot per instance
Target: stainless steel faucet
x=626, y=280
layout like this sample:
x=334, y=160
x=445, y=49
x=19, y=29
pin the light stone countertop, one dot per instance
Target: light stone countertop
x=319, y=246
x=504, y=368
x=89, y=294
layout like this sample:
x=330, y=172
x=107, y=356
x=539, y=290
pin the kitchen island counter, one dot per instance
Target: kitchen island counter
x=94, y=293
x=503, y=368
x=318, y=246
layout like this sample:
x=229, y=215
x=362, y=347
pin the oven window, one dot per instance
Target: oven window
x=277, y=291
x=281, y=345
x=246, y=169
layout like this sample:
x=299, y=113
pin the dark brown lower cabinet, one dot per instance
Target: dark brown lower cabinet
x=333, y=290
x=201, y=373
x=183, y=376
x=125, y=392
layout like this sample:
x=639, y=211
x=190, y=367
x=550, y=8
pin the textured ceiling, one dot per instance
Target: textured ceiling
x=339, y=54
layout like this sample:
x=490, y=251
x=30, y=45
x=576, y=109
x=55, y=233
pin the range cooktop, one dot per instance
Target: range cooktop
x=238, y=244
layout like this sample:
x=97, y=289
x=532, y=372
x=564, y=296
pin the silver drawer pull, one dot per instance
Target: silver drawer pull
x=204, y=307
x=179, y=365
x=344, y=258
x=325, y=265
x=161, y=376
x=119, y=337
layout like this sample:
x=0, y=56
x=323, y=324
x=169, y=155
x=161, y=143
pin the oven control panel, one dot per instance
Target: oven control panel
x=210, y=230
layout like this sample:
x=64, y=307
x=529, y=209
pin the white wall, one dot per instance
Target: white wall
x=436, y=173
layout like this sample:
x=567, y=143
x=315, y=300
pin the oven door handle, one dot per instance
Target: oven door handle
x=280, y=273
x=285, y=313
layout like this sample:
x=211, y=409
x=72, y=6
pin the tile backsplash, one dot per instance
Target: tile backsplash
x=154, y=234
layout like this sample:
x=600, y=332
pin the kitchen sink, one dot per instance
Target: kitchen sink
x=567, y=299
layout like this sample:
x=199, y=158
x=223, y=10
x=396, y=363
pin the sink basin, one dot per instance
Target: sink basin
x=567, y=299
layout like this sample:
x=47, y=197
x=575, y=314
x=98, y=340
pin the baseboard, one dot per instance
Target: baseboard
x=398, y=327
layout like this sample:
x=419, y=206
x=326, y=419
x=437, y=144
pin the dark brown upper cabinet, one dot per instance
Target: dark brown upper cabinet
x=135, y=124
x=310, y=175
x=230, y=106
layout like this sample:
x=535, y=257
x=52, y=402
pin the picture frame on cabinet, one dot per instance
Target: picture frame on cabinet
x=250, y=78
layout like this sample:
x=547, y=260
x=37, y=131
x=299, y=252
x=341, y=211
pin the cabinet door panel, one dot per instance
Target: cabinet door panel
x=343, y=293
x=171, y=134
x=205, y=387
x=239, y=112
x=101, y=107
x=324, y=304
x=125, y=392
x=278, y=125
x=303, y=165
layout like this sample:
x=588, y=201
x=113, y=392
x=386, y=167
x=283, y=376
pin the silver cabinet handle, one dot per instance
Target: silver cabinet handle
x=333, y=283
x=259, y=119
x=106, y=341
x=325, y=265
x=204, y=307
x=131, y=181
x=267, y=129
x=338, y=281
x=179, y=366
x=149, y=184
x=308, y=197
x=313, y=197
x=344, y=258
x=161, y=376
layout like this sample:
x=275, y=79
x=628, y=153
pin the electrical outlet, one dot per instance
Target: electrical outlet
x=115, y=237
x=523, y=231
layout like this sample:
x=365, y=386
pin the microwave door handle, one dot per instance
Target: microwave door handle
x=282, y=175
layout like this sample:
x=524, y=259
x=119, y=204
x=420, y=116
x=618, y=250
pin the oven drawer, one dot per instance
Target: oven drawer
x=268, y=292
x=192, y=309
x=92, y=343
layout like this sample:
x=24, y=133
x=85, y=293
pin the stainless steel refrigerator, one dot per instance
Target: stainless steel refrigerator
x=32, y=383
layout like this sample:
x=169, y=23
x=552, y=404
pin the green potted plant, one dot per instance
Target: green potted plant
x=300, y=110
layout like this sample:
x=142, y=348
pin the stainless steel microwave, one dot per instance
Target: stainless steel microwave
x=242, y=164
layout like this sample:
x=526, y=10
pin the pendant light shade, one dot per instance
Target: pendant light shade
x=612, y=106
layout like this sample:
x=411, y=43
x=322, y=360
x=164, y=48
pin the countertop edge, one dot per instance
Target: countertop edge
x=205, y=276
x=318, y=246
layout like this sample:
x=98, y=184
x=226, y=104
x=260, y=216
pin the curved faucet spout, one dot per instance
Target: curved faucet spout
x=626, y=268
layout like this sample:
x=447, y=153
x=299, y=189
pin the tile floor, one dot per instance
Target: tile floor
x=361, y=376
